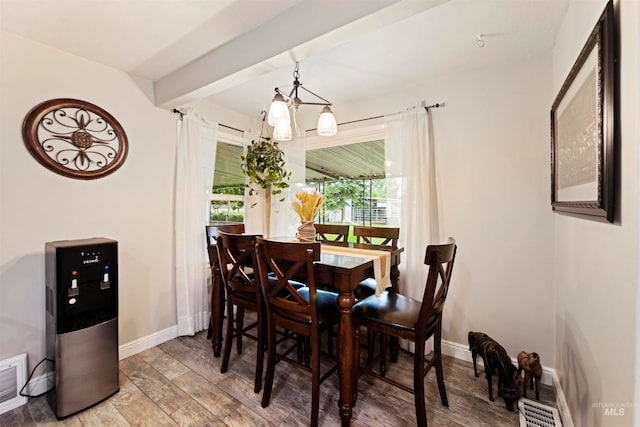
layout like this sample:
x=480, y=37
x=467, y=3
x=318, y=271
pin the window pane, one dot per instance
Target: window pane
x=227, y=202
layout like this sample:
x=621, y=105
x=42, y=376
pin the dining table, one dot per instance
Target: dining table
x=343, y=272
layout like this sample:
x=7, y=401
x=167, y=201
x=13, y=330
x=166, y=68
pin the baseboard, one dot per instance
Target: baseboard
x=549, y=377
x=40, y=384
x=461, y=352
x=144, y=343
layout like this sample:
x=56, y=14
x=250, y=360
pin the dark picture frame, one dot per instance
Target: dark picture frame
x=583, y=118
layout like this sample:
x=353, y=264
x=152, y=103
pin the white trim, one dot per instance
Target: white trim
x=40, y=384
x=226, y=197
x=145, y=343
x=229, y=136
x=18, y=362
x=549, y=377
x=461, y=352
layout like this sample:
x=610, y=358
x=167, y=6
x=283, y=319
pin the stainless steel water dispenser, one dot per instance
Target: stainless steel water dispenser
x=82, y=322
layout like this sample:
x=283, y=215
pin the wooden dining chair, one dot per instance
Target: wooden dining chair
x=217, y=291
x=332, y=234
x=237, y=258
x=306, y=311
x=377, y=238
x=393, y=314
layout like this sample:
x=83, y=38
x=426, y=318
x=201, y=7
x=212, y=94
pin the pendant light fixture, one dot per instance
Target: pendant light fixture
x=280, y=116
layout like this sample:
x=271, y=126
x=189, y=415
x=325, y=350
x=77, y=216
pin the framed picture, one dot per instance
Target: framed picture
x=583, y=134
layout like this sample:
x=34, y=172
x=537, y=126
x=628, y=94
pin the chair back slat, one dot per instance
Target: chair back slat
x=440, y=259
x=332, y=234
x=381, y=238
x=212, y=233
x=287, y=261
x=237, y=256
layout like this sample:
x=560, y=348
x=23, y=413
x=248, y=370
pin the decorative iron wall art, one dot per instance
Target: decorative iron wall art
x=75, y=138
x=583, y=128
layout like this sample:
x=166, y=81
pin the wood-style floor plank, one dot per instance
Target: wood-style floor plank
x=179, y=383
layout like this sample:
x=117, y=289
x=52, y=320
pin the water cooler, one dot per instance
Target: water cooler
x=82, y=322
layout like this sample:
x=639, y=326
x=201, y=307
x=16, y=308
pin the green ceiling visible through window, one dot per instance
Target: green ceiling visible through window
x=357, y=161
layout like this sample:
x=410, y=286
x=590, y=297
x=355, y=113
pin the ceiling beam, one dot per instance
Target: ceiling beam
x=301, y=23
x=307, y=28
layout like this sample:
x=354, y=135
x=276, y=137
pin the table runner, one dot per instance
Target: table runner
x=381, y=262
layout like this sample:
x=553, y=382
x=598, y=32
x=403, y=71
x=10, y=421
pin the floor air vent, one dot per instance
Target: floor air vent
x=534, y=414
x=13, y=374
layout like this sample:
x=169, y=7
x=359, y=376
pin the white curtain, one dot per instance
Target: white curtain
x=192, y=186
x=411, y=171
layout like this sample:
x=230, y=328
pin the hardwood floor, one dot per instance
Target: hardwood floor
x=179, y=383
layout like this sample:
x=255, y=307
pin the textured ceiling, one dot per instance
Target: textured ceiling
x=357, y=161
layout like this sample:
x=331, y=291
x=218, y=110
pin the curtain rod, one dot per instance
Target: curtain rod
x=175, y=110
x=427, y=107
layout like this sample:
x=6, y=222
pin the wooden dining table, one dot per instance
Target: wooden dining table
x=343, y=273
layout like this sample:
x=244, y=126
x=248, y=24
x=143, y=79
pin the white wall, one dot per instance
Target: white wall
x=596, y=268
x=134, y=205
x=492, y=143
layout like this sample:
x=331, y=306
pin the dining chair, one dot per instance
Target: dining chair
x=217, y=293
x=376, y=238
x=237, y=258
x=393, y=314
x=306, y=311
x=332, y=234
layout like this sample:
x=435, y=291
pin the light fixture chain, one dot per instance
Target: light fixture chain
x=296, y=71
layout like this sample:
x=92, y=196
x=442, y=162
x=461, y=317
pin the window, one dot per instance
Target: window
x=350, y=170
x=227, y=201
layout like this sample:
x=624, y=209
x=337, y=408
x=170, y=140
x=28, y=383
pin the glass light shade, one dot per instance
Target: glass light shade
x=327, y=123
x=278, y=111
x=282, y=132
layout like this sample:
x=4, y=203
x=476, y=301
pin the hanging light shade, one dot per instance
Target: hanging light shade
x=279, y=114
x=327, y=123
x=278, y=111
x=282, y=132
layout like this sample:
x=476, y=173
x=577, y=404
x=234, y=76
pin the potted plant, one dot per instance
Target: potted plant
x=264, y=165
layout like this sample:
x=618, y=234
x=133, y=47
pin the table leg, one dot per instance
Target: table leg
x=217, y=313
x=346, y=361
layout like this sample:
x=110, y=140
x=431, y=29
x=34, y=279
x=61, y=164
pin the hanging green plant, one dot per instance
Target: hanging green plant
x=263, y=164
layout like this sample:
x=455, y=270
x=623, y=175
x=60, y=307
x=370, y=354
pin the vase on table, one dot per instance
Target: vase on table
x=306, y=232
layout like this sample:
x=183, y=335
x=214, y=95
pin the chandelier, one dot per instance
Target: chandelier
x=280, y=116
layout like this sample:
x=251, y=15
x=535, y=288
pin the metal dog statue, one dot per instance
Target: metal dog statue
x=530, y=364
x=496, y=362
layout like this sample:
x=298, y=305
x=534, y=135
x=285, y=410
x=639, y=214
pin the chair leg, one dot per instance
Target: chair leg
x=239, y=327
x=418, y=384
x=437, y=353
x=299, y=347
x=384, y=340
x=259, y=354
x=226, y=354
x=315, y=380
x=271, y=365
x=330, y=340
x=371, y=336
x=307, y=344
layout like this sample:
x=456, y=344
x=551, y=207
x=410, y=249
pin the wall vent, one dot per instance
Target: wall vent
x=13, y=375
x=534, y=414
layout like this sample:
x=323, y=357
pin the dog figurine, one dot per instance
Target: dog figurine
x=496, y=362
x=530, y=364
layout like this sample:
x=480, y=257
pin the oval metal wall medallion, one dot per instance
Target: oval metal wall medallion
x=75, y=138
